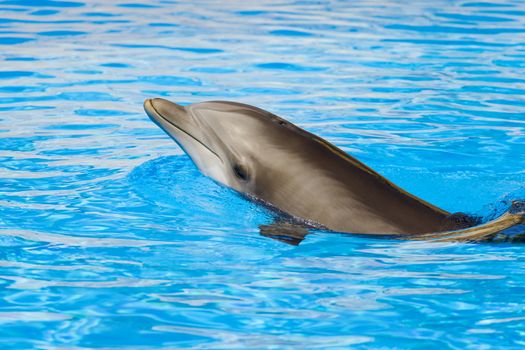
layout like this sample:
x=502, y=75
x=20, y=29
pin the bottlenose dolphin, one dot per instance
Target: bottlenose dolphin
x=298, y=173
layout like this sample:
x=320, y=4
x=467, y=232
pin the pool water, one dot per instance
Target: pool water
x=111, y=238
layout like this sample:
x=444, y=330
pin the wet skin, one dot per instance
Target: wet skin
x=266, y=157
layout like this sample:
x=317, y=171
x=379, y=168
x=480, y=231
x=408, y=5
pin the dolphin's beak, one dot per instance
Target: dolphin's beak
x=165, y=113
x=152, y=112
x=175, y=121
x=147, y=104
x=160, y=109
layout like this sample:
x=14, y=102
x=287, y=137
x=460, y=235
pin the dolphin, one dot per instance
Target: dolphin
x=307, y=178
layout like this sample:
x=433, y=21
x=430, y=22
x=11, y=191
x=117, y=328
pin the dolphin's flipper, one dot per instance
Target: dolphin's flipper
x=485, y=232
x=284, y=231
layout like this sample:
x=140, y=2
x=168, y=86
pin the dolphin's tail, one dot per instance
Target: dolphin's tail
x=484, y=232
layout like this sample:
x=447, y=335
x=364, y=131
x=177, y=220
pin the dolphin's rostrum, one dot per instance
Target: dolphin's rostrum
x=270, y=159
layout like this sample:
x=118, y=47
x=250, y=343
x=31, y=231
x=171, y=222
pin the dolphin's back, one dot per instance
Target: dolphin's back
x=326, y=185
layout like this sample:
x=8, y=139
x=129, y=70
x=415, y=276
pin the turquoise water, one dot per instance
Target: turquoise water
x=112, y=239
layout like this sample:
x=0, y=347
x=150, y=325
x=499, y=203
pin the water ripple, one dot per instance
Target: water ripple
x=112, y=238
x=70, y=240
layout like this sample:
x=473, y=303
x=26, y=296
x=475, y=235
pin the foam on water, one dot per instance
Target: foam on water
x=111, y=238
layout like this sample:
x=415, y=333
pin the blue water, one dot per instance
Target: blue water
x=112, y=239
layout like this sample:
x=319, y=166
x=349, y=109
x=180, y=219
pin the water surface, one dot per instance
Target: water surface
x=112, y=239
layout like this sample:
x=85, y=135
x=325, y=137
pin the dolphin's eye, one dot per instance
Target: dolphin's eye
x=240, y=172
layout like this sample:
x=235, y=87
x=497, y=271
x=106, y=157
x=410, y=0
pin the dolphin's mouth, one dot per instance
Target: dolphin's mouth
x=148, y=106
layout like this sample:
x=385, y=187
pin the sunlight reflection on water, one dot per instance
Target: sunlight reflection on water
x=111, y=238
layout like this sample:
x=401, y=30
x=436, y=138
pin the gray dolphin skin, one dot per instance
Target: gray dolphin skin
x=272, y=160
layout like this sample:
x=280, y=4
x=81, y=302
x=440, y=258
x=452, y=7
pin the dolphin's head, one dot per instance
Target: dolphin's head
x=230, y=142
